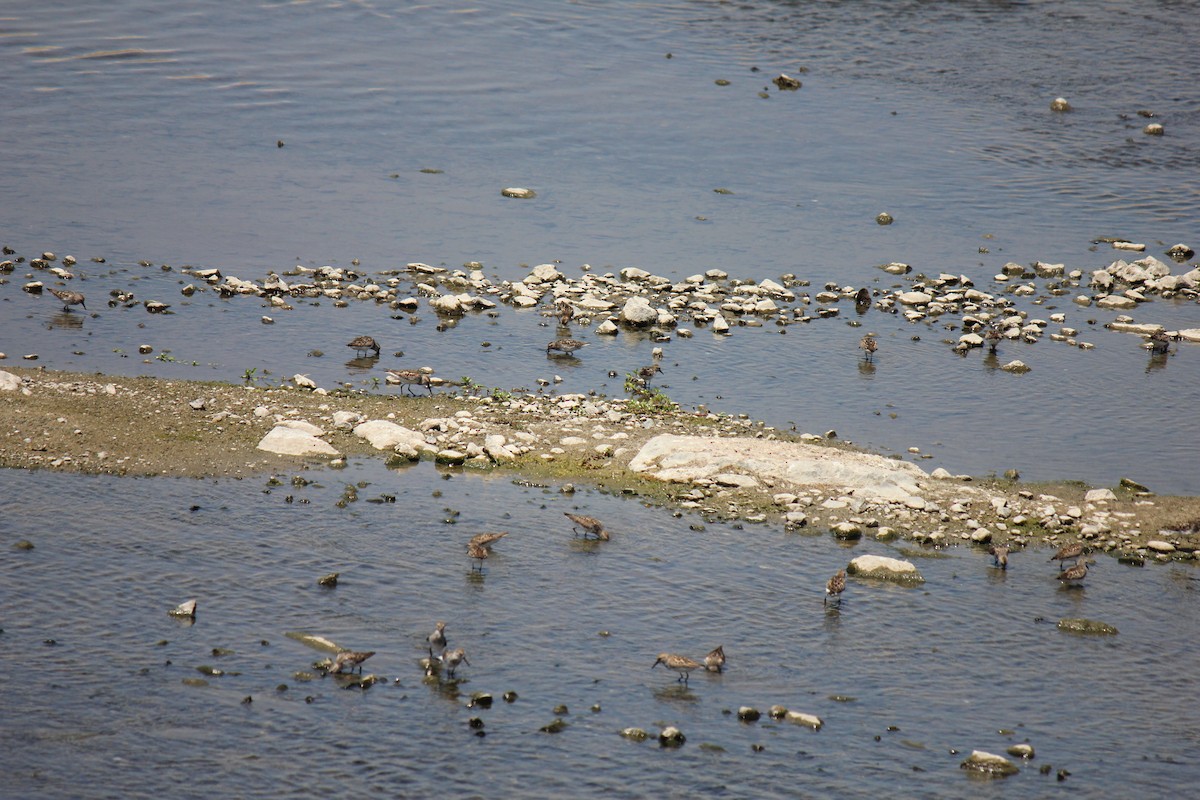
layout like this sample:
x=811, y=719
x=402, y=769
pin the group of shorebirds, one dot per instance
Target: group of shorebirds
x=1072, y=552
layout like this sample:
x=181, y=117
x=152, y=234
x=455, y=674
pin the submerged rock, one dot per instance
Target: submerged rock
x=636, y=734
x=671, y=737
x=1086, y=626
x=884, y=568
x=808, y=720
x=989, y=765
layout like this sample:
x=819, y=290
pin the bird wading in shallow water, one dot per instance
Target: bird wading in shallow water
x=565, y=346
x=68, y=298
x=363, y=345
x=715, y=661
x=999, y=556
x=351, y=659
x=437, y=638
x=868, y=345
x=452, y=658
x=681, y=664
x=566, y=311
x=486, y=539
x=591, y=526
x=1068, y=552
x=834, y=588
x=1073, y=576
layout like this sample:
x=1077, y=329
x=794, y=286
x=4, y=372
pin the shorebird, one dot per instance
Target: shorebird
x=566, y=346
x=408, y=378
x=646, y=373
x=715, y=661
x=478, y=551
x=1159, y=341
x=452, y=658
x=362, y=344
x=1068, y=552
x=566, y=311
x=999, y=556
x=68, y=298
x=486, y=539
x=1073, y=576
x=992, y=336
x=437, y=638
x=591, y=526
x=350, y=658
x=868, y=345
x=835, y=587
x=681, y=664
x=862, y=300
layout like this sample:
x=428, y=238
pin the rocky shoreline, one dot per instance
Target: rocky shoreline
x=716, y=466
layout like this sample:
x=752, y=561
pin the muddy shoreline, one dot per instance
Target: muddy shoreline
x=138, y=426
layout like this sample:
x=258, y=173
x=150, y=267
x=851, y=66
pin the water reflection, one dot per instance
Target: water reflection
x=65, y=319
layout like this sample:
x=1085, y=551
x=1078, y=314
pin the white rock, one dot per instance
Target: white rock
x=734, y=480
x=885, y=568
x=638, y=311
x=607, y=328
x=1159, y=546
x=800, y=718
x=384, y=435
x=719, y=324
x=302, y=426
x=914, y=298
x=9, y=382
x=1116, y=301
x=291, y=442
x=447, y=304
x=303, y=381
x=544, y=273
x=1015, y=366
x=346, y=419
x=1099, y=495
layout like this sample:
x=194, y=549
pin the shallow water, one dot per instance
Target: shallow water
x=152, y=135
x=950, y=665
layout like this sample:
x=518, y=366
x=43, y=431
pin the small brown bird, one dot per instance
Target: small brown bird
x=437, y=638
x=999, y=556
x=486, y=539
x=565, y=346
x=646, y=373
x=478, y=551
x=1068, y=552
x=715, y=661
x=681, y=664
x=351, y=659
x=363, y=344
x=835, y=587
x=566, y=311
x=591, y=526
x=993, y=336
x=452, y=658
x=68, y=298
x=868, y=345
x=1073, y=576
x=862, y=300
x=1159, y=342
x=408, y=378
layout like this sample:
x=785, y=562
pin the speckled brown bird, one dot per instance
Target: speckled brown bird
x=452, y=658
x=591, y=526
x=566, y=311
x=999, y=556
x=351, y=659
x=1068, y=552
x=363, y=344
x=834, y=588
x=67, y=297
x=1073, y=576
x=715, y=661
x=486, y=539
x=565, y=346
x=681, y=664
x=437, y=638
x=408, y=378
x=478, y=552
x=868, y=345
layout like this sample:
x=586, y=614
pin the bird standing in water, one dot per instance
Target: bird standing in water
x=363, y=344
x=999, y=556
x=68, y=298
x=835, y=587
x=681, y=664
x=868, y=345
x=565, y=346
x=715, y=661
x=591, y=526
x=437, y=638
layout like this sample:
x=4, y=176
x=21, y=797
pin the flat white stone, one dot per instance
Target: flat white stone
x=9, y=382
x=384, y=435
x=302, y=426
x=291, y=442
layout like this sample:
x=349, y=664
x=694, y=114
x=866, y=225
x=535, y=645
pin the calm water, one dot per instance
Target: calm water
x=958, y=664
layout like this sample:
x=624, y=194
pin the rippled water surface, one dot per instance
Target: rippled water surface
x=140, y=131
x=100, y=683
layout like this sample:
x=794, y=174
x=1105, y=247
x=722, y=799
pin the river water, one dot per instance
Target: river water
x=100, y=684
x=141, y=131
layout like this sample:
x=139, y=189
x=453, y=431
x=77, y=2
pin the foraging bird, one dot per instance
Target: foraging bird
x=350, y=658
x=993, y=336
x=452, y=658
x=834, y=588
x=408, y=378
x=566, y=311
x=646, y=373
x=486, y=539
x=479, y=552
x=715, y=661
x=68, y=298
x=868, y=345
x=591, y=526
x=999, y=556
x=1159, y=342
x=681, y=664
x=1073, y=576
x=1068, y=552
x=362, y=344
x=862, y=300
x=566, y=346
x=437, y=638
